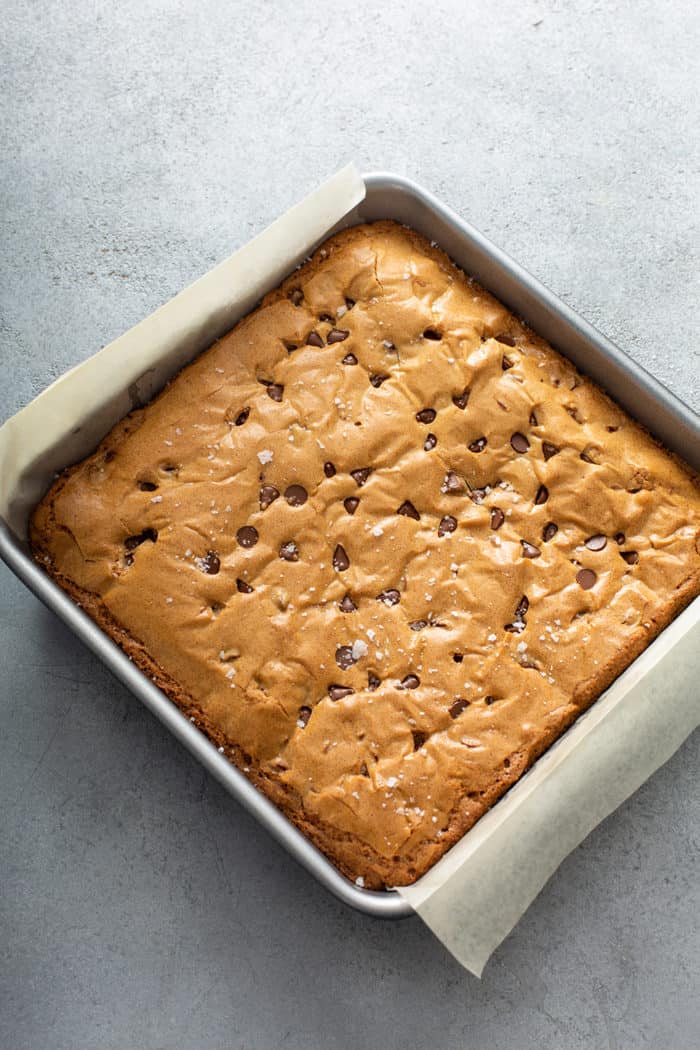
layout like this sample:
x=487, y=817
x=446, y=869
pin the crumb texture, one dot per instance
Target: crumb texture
x=382, y=543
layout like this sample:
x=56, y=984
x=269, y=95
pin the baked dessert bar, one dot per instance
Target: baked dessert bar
x=382, y=544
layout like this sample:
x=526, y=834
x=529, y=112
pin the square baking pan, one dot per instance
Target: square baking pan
x=388, y=196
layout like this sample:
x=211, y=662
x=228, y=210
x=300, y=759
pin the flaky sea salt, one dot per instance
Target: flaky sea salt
x=391, y=782
x=265, y=456
x=377, y=530
x=492, y=638
x=359, y=881
x=359, y=648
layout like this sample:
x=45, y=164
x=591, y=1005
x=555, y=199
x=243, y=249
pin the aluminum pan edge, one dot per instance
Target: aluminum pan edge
x=646, y=399
x=379, y=904
x=393, y=196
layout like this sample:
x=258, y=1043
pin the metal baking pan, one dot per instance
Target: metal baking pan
x=667, y=418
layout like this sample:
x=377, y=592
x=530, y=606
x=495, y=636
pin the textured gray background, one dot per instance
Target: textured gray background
x=141, y=143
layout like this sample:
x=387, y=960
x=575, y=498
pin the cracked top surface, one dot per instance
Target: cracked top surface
x=384, y=542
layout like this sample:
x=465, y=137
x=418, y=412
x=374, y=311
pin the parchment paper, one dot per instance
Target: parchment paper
x=474, y=896
x=67, y=420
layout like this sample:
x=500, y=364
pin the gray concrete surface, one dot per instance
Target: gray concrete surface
x=141, y=143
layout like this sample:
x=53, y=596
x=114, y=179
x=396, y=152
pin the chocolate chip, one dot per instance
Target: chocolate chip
x=591, y=454
x=519, y=442
x=290, y=347
x=432, y=333
x=516, y=627
x=147, y=486
x=241, y=417
x=373, y=682
x=326, y=318
x=619, y=538
x=530, y=550
x=268, y=494
x=497, y=518
x=296, y=495
x=586, y=578
x=418, y=625
x=349, y=303
x=549, y=450
x=429, y=443
x=457, y=707
x=488, y=700
x=378, y=378
x=132, y=542
x=549, y=531
x=542, y=495
x=344, y=657
x=533, y=420
x=452, y=483
x=597, y=542
x=631, y=557
x=506, y=363
x=297, y=296
x=303, y=716
x=349, y=359
x=408, y=510
x=411, y=681
x=337, y=692
x=243, y=587
x=346, y=604
x=419, y=738
x=477, y=495
x=247, y=536
x=341, y=562
x=447, y=524
x=360, y=476
x=337, y=335
x=351, y=504
x=461, y=400
x=289, y=551
x=275, y=391
x=389, y=597
x=458, y=657
x=507, y=340
x=314, y=339
x=210, y=563
x=426, y=415
x=479, y=445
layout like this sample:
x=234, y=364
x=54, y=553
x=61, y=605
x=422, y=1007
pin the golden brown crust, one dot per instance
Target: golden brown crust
x=386, y=703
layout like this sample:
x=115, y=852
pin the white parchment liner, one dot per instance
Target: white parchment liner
x=474, y=896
